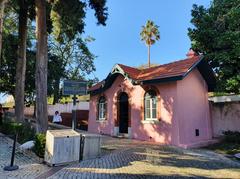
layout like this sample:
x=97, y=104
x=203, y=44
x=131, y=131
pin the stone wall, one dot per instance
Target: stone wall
x=225, y=114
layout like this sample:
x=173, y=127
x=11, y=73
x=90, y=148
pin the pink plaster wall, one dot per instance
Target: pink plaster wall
x=193, y=109
x=158, y=132
x=183, y=107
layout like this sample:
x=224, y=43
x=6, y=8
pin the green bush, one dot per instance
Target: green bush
x=40, y=142
x=232, y=136
x=24, y=130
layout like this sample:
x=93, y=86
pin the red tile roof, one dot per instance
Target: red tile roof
x=173, y=69
x=168, y=70
x=96, y=86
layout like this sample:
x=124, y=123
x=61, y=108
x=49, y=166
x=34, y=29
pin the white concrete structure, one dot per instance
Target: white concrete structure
x=28, y=111
x=62, y=146
x=67, y=107
x=92, y=146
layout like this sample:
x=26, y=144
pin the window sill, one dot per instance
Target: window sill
x=101, y=121
x=150, y=121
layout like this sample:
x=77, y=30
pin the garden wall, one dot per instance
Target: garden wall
x=62, y=108
x=225, y=114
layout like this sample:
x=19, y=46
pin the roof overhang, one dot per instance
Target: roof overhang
x=202, y=65
x=115, y=72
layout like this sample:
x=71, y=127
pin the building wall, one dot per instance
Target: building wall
x=62, y=108
x=183, y=107
x=161, y=131
x=193, y=109
x=225, y=116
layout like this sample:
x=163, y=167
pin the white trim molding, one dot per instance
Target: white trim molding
x=129, y=132
x=222, y=99
x=116, y=131
x=149, y=121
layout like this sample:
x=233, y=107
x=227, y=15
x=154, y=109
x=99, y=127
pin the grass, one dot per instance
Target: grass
x=225, y=148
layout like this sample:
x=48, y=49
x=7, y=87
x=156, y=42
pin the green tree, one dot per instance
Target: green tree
x=150, y=35
x=41, y=67
x=21, y=60
x=71, y=59
x=67, y=20
x=2, y=8
x=57, y=69
x=8, y=66
x=216, y=34
x=8, y=60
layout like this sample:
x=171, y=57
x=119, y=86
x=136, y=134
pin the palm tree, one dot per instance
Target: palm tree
x=150, y=35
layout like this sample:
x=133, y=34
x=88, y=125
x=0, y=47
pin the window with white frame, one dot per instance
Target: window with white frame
x=150, y=105
x=102, y=108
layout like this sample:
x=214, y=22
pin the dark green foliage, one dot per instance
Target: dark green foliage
x=229, y=145
x=57, y=68
x=40, y=142
x=232, y=137
x=216, y=34
x=8, y=66
x=69, y=59
x=100, y=10
x=24, y=130
x=225, y=148
x=68, y=17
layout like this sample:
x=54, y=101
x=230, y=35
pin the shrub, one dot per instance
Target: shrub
x=24, y=130
x=40, y=142
x=232, y=136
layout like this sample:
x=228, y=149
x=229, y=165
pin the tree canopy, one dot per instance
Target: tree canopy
x=68, y=53
x=216, y=34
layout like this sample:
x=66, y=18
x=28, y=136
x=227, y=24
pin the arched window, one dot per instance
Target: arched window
x=150, y=105
x=102, y=108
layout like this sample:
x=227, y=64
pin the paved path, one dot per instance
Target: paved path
x=135, y=159
x=124, y=158
x=29, y=164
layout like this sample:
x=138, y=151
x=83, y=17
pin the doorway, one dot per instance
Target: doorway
x=123, y=112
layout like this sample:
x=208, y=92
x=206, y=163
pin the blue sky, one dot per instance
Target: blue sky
x=119, y=41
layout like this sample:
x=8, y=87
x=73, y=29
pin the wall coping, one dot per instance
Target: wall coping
x=221, y=99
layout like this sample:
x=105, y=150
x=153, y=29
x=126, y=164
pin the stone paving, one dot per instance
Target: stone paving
x=29, y=164
x=124, y=158
x=135, y=159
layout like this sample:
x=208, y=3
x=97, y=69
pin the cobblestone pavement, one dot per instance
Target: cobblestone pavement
x=135, y=159
x=29, y=164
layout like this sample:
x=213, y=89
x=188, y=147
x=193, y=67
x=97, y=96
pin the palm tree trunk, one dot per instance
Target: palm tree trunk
x=2, y=7
x=21, y=63
x=41, y=67
x=149, y=64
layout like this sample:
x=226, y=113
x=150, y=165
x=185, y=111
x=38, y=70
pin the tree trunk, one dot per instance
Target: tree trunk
x=41, y=67
x=21, y=63
x=2, y=7
x=149, y=64
x=56, y=91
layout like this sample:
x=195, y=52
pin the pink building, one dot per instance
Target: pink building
x=166, y=104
